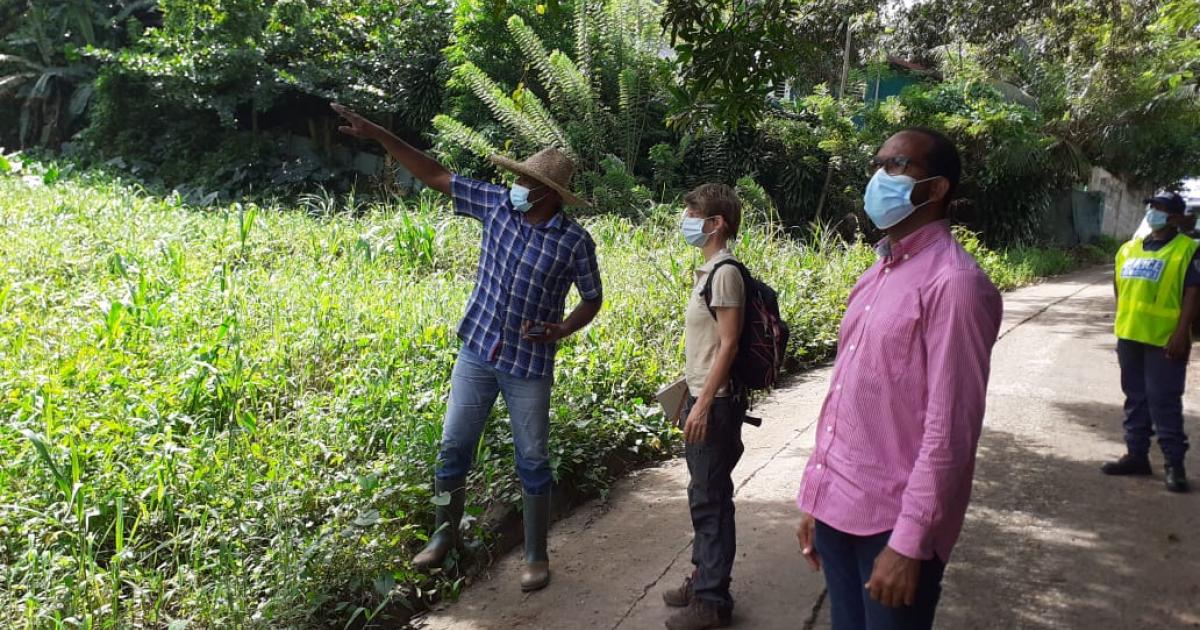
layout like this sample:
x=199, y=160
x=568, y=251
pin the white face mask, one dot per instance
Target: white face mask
x=693, y=231
x=888, y=199
x=519, y=196
x=1156, y=219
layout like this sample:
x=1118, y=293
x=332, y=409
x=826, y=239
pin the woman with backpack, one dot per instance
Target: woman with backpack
x=715, y=408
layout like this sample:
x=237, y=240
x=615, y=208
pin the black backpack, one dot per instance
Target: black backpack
x=764, y=339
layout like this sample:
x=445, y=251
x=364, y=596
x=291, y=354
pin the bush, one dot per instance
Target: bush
x=258, y=78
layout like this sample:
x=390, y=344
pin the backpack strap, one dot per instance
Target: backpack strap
x=706, y=292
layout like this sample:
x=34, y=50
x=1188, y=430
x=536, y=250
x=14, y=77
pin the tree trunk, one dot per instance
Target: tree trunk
x=841, y=95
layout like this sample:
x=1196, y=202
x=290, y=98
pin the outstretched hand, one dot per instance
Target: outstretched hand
x=358, y=126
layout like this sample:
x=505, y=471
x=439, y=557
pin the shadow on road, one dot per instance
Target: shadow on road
x=1051, y=543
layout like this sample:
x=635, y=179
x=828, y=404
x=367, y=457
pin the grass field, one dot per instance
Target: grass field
x=226, y=417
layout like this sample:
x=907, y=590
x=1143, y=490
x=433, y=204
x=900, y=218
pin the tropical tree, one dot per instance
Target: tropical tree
x=43, y=66
x=733, y=53
x=1115, y=80
x=599, y=106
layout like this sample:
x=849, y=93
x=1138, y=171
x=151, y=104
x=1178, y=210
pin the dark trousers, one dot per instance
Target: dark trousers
x=1153, y=386
x=847, y=562
x=710, y=499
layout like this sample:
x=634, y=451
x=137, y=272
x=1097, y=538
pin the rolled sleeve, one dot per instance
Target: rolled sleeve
x=474, y=198
x=962, y=321
x=587, y=270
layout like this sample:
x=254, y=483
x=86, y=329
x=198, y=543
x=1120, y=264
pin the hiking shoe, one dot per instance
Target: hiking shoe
x=681, y=596
x=1177, y=478
x=700, y=615
x=1128, y=465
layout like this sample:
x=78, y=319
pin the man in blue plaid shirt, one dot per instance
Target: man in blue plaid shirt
x=531, y=255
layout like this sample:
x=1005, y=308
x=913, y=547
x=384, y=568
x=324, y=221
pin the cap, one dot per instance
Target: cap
x=1171, y=202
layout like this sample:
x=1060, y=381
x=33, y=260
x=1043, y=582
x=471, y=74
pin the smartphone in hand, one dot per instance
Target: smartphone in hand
x=533, y=330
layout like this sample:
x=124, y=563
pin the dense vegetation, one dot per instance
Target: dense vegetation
x=225, y=331
x=224, y=98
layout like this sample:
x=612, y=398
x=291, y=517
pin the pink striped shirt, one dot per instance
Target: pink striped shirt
x=895, y=447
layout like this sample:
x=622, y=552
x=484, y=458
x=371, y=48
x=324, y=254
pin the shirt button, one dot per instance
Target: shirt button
x=819, y=466
x=906, y=257
x=852, y=347
x=868, y=307
x=838, y=387
x=829, y=429
x=887, y=270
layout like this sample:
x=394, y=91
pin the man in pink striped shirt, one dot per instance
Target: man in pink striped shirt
x=886, y=488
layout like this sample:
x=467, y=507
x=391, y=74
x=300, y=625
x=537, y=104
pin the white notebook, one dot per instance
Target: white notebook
x=673, y=399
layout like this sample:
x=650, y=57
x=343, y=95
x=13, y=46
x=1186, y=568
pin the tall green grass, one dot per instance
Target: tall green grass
x=228, y=416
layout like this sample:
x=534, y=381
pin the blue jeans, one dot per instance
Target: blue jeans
x=1153, y=386
x=847, y=562
x=474, y=385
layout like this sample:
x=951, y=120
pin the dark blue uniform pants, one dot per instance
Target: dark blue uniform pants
x=1153, y=386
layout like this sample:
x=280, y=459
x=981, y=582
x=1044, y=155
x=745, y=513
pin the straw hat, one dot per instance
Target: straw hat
x=551, y=167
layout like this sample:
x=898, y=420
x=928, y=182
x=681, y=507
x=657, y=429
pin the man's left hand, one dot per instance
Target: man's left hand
x=894, y=580
x=550, y=332
x=1179, y=345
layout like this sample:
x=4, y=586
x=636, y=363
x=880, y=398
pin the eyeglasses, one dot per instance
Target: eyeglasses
x=895, y=165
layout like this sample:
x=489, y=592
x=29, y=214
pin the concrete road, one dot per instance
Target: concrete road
x=1049, y=542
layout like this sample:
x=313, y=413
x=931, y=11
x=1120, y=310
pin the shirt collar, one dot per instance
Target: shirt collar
x=556, y=222
x=912, y=244
x=712, y=262
x=1150, y=238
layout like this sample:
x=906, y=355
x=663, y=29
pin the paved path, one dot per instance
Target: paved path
x=1049, y=542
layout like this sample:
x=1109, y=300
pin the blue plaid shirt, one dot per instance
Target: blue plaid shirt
x=525, y=272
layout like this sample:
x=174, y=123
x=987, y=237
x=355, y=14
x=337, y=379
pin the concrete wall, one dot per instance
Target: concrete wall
x=1124, y=207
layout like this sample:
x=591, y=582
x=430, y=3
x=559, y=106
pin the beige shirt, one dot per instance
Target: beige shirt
x=701, y=338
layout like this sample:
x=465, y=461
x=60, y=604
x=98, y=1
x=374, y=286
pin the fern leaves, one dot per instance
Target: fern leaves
x=631, y=112
x=504, y=108
x=462, y=135
x=592, y=104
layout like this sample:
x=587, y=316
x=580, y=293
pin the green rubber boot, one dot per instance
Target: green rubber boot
x=449, y=517
x=537, y=524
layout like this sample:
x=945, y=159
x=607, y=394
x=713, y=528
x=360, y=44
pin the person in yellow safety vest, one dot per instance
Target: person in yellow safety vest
x=1157, y=287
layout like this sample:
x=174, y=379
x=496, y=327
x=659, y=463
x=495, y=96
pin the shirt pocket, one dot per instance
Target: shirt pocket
x=897, y=353
x=546, y=273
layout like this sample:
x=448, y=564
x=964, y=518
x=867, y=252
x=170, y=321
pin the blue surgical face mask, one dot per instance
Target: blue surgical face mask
x=693, y=231
x=1156, y=219
x=889, y=198
x=519, y=196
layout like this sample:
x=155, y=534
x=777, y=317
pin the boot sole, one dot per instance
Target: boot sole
x=1140, y=473
x=529, y=588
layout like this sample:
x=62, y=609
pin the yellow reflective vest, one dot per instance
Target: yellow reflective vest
x=1150, y=289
